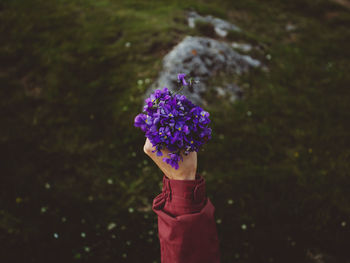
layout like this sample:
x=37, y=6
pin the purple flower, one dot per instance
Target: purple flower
x=158, y=150
x=181, y=78
x=172, y=121
x=173, y=160
x=140, y=121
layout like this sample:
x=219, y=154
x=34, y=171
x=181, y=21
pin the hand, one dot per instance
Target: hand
x=187, y=168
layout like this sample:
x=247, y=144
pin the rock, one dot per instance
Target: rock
x=201, y=57
x=251, y=61
x=230, y=91
x=221, y=26
x=242, y=46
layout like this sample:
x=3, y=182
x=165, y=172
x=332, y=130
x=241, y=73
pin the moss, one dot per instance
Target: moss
x=205, y=28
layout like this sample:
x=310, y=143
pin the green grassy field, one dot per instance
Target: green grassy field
x=75, y=184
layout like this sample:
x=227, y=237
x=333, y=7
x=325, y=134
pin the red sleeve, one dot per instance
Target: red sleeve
x=186, y=225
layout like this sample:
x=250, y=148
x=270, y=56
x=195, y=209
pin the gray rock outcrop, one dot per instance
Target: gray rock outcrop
x=221, y=27
x=201, y=57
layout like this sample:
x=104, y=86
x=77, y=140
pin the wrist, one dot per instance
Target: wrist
x=184, y=176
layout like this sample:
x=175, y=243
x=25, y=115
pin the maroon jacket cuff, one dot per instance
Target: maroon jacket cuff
x=183, y=196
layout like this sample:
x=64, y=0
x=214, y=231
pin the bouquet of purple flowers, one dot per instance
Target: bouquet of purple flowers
x=172, y=121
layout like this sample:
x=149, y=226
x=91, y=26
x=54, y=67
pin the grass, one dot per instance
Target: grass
x=69, y=95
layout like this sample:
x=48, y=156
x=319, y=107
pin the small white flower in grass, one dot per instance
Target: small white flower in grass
x=290, y=27
x=218, y=221
x=268, y=57
x=63, y=219
x=127, y=44
x=111, y=226
x=109, y=181
x=47, y=186
x=55, y=235
x=43, y=209
x=249, y=113
x=83, y=235
x=244, y=227
x=140, y=82
x=87, y=249
x=230, y=201
x=131, y=210
x=343, y=224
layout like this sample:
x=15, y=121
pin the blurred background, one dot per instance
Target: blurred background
x=75, y=185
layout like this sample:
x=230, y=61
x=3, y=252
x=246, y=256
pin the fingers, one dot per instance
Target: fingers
x=148, y=148
x=187, y=167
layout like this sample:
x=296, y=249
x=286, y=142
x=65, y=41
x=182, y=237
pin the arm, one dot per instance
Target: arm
x=186, y=225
